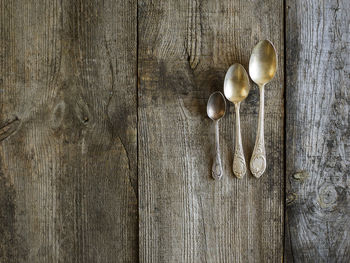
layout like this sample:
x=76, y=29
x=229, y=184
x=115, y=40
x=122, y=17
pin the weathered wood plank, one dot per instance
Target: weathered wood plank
x=318, y=138
x=185, y=48
x=68, y=131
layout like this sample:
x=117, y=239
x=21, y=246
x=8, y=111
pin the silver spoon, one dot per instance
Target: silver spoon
x=262, y=69
x=216, y=108
x=236, y=89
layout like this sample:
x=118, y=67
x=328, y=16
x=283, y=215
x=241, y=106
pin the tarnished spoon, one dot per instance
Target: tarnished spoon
x=236, y=89
x=262, y=69
x=216, y=108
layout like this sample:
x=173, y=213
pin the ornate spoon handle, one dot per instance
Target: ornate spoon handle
x=239, y=165
x=217, y=168
x=258, y=160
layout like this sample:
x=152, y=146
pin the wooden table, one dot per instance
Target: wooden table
x=105, y=144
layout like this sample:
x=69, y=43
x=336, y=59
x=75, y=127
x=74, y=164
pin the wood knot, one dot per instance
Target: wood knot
x=328, y=196
x=301, y=176
x=291, y=198
x=82, y=112
x=85, y=119
x=58, y=114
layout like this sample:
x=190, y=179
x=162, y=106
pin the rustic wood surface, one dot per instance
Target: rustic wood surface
x=68, y=187
x=106, y=149
x=185, y=48
x=318, y=132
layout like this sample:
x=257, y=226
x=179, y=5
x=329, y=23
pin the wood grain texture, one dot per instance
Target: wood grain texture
x=318, y=132
x=68, y=131
x=185, y=48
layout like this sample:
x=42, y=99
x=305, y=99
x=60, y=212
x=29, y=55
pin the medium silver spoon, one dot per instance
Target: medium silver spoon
x=216, y=108
x=236, y=89
x=262, y=69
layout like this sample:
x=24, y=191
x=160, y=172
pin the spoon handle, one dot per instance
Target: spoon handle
x=258, y=160
x=217, y=168
x=239, y=165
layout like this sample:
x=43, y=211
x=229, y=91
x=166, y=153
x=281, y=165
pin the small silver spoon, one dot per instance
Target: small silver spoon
x=236, y=89
x=262, y=69
x=216, y=108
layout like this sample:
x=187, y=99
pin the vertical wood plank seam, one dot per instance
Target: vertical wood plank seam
x=137, y=130
x=284, y=5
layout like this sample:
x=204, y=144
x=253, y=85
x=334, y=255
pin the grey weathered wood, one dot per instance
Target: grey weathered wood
x=68, y=188
x=185, y=48
x=318, y=138
x=68, y=153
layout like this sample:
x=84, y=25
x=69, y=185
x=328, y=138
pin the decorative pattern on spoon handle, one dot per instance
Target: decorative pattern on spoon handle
x=239, y=166
x=258, y=160
x=217, y=168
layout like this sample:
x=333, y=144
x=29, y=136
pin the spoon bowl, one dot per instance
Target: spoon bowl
x=216, y=106
x=236, y=84
x=263, y=63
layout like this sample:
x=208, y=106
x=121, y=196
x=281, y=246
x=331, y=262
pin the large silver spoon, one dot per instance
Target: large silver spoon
x=262, y=69
x=236, y=89
x=216, y=108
